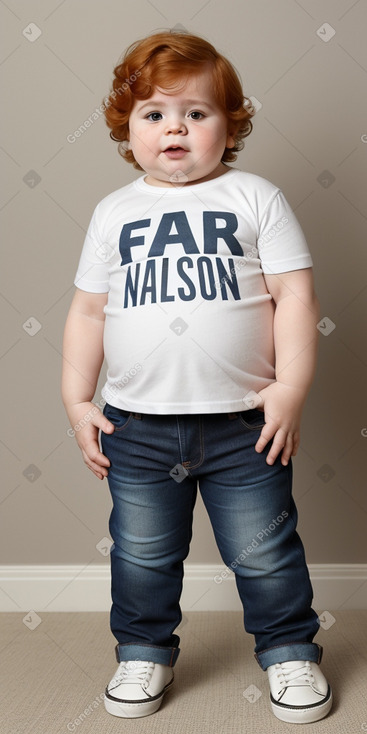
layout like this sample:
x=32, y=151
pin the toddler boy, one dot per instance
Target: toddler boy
x=195, y=282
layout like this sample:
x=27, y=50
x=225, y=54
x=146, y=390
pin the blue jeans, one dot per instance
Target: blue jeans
x=157, y=462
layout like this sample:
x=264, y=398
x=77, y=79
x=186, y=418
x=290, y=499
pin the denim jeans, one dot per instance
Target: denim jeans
x=157, y=464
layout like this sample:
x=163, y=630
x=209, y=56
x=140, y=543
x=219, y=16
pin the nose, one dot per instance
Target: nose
x=176, y=126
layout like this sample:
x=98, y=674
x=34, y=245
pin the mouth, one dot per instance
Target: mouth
x=175, y=151
x=175, y=147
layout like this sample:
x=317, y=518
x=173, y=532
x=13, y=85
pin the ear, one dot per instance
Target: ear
x=230, y=142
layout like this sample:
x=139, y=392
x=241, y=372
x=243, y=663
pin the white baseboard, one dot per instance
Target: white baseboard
x=206, y=588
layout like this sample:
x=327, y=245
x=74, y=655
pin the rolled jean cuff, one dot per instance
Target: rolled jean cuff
x=292, y=651
x=152, y=653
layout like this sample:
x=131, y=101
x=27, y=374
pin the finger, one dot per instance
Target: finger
x=100, y=421
x=288, y=449
x=296, y=443
x=99, y=473
x=266, y=435
x=277, y=445
x=93, y=456
x=97, y=470
x=107, y=426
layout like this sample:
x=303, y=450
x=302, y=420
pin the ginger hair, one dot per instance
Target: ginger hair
x=165, y=60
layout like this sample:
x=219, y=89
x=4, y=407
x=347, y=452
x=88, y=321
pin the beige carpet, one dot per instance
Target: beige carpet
x=53, y=678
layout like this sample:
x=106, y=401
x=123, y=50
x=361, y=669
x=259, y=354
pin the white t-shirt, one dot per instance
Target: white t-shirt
x=189, y=320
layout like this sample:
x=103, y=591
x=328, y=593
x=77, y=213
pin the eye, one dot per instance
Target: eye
x=154, y=116
x=196, y=115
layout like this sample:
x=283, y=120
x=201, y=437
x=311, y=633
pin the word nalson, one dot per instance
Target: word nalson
x=149, y=276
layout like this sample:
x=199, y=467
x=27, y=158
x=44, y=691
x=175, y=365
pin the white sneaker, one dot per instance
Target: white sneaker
x=137, y=688
x=299, y=692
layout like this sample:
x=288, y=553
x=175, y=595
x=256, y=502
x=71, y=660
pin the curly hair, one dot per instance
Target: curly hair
x=162, y=60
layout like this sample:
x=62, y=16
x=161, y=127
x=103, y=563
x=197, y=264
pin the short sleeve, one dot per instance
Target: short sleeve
x=281, y=243
x=92, y=273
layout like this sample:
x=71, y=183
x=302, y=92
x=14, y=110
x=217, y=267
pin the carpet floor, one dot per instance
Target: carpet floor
x=53, y=677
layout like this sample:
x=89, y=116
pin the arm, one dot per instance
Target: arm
x=295, y=343
x=82, y=362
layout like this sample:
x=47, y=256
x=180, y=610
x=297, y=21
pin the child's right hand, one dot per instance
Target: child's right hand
x=86, y=420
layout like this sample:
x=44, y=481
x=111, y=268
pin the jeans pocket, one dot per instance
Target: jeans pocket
x=120, y=418
x=253, y=419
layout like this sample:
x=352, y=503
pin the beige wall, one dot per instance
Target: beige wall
x=313, y=91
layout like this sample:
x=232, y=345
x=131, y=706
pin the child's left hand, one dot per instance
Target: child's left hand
x=282, y=406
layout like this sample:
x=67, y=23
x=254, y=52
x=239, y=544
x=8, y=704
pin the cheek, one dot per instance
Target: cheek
x=135, y=134
x=140, y=141
x=213, y=142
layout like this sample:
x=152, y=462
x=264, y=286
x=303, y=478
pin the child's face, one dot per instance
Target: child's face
x=180, y=138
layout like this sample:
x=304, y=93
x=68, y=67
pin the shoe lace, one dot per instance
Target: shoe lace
x=133, y=671
x=295, y=675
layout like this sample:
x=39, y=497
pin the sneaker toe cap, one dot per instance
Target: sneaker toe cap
x=127, y=692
